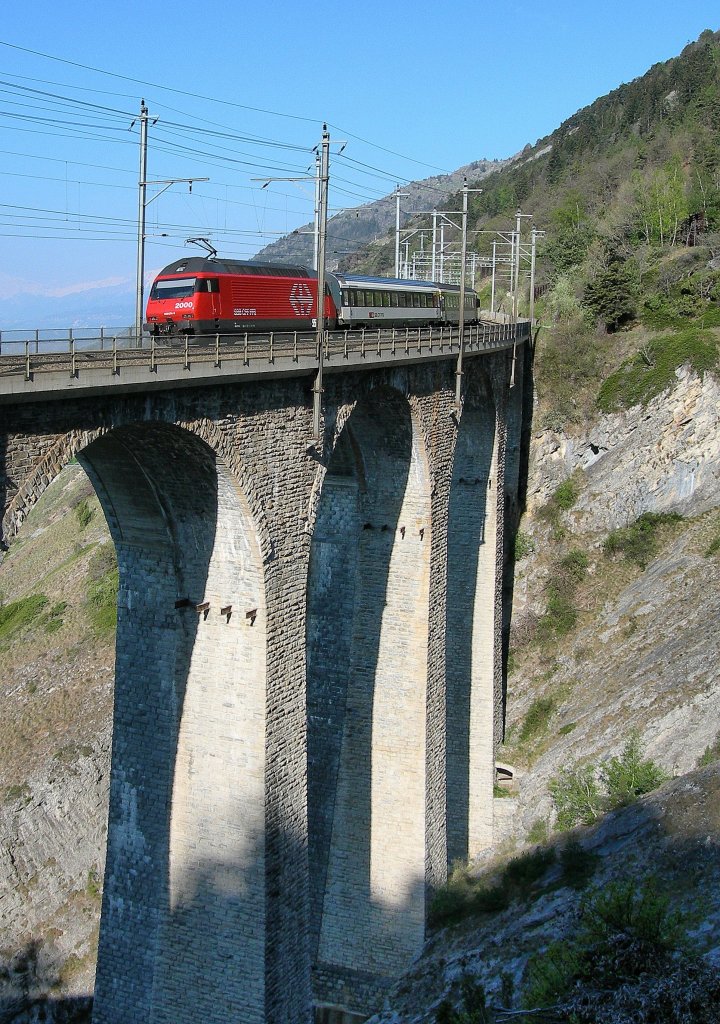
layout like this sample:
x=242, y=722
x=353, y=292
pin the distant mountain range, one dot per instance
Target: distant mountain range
x=112, y=308
x=352, y=230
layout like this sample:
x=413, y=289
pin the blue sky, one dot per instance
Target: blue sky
x=413, y=88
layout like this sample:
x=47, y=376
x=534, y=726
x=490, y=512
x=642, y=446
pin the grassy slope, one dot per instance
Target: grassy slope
x=56, y=668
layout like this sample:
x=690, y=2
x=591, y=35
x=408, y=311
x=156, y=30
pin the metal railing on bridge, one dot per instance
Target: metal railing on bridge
x=63, y=339
x=32, y=353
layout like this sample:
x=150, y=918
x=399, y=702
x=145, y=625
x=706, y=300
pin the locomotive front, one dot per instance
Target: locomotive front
x=183, y=300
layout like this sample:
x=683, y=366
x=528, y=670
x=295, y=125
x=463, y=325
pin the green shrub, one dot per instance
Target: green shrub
x=18, y=794
x=83, y=513
x=446, y=906
x=639, y=542
x=18, y=615
x=561, y=500
x=566, y=494
x=583, y=792
x=490, y=899
x=524, y=545
x=537, y=718
x=539, y=831
x=560, y=617
x=575, y=565
x=102, y=603
x=576, y=795
x=464, y=896
x=549, y=974
x=472, y=1008
x=710, y=754
x=94, y=882
x=52, y=620
x=714, y=547
x=630, y=775
x=644, y=914
x=577, y=863
x=500, y=792
x=621, y=932
x=521, y=873
x=652, y=370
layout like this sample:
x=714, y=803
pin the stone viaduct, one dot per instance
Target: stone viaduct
x=309, y=661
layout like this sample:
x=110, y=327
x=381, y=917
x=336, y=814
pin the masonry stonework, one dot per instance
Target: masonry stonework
x=308, y=685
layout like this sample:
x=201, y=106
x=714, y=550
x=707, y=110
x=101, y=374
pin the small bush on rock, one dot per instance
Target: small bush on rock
x=582, y=793
x=627, y=961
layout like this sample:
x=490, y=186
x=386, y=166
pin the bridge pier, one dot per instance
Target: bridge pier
x=290, y=774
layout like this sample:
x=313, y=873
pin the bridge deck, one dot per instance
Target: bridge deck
x=82, y=367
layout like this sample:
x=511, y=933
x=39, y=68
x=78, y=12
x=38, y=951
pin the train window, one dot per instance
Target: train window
x=386, y=299
x=344, y=297
x=207, y=284
x=394, y=299
x=178, y=288
x=416, y=300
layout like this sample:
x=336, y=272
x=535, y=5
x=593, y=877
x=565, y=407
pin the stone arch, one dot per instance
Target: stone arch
x=367, y=638
x=67, y=445
x=186, y=820
x=471, y=623
x=46, y=469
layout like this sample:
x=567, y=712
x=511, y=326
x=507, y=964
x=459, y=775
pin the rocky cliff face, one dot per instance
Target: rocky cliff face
x=645, y=651
x=51, y=864
x=663, y=457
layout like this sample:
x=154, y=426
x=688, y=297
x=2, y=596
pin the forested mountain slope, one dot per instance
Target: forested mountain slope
x=610, y=825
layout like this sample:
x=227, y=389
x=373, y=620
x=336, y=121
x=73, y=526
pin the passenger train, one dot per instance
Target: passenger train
x=200, y=295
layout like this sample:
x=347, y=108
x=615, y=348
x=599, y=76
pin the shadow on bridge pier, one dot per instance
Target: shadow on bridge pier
x=366, y=664
x=188, y=738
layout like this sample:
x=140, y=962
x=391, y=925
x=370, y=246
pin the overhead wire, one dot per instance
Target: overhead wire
x=224, y=133
x=212, y=99
x=171, y=138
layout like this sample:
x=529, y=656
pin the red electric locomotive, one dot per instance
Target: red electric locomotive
x=215, y=296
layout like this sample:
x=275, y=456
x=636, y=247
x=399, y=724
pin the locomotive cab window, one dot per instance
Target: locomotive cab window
x=179, y=288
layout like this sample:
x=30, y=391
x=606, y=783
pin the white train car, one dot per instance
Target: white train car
x=393, y=302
